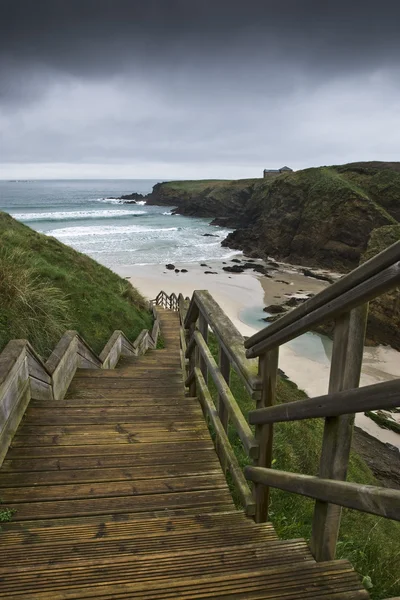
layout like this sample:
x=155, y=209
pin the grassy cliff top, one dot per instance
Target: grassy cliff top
x=47, y=287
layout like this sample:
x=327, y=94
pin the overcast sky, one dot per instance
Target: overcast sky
x=184, y=88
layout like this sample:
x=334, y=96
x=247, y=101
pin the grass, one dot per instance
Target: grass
x=6, y=514
x=370, y=543
x=47, y=287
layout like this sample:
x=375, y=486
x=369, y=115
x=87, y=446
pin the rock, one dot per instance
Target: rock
x=309, y=273
x=281, y=281
x=203, y=265
x=210, y=273
x=295, y=301
x=184, y=270
x=236, y=260
x=177, y=271
x=234, y=269
x=275, y=309
x=132, y=198
x=274, y=264
x=170, y=266
x=224, y=263
x=271, y=319
x=209, y=235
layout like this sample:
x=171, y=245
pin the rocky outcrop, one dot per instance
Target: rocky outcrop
x=319, y=217
x=384, y=312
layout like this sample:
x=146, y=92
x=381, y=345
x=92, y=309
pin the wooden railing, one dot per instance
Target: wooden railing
x=255, y=361
x=169, y=302
x=25, y=376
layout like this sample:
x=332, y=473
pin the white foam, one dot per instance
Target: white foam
x=74, y=232
x=76, y=215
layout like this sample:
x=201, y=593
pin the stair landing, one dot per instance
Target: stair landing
x=119, y=493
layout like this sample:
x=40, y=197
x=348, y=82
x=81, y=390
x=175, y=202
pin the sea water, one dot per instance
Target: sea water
x=88, y=216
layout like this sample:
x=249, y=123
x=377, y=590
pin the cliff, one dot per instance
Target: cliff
x=317, y=217
x=384, y=312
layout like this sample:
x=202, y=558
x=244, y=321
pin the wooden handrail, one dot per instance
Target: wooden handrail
x=228, y=337
x=365, y=291
x=24, y=375
x=235, y=414
x=379, y=396
x=224, y=446
x=366, y=498
x=363, y=273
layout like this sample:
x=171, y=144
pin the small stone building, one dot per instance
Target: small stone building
x=275, y=172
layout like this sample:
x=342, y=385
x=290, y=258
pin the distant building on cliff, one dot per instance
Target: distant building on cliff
x=274, y=172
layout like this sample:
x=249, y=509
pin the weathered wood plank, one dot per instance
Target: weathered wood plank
x=268, y=372
x=364, y=272
x=228, y=337
x=347, y=355
x=376, y=285
x=378, y=396
x=63, y=363
x=224, y=446
x=235, y=414
x=366, y=498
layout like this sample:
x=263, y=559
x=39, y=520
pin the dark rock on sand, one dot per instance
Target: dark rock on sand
x=170, y=266
x=309, y=273
x=275, y=309
x=210, y=273
x=234, y=269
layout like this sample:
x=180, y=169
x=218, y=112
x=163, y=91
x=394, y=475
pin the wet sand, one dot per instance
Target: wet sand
x=235, y=291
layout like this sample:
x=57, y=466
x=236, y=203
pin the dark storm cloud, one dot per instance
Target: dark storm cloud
x=98, y=36
x=205, y=82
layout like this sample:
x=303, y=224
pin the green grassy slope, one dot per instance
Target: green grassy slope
x=319, y=217
x=371, y=544
x=47, y=287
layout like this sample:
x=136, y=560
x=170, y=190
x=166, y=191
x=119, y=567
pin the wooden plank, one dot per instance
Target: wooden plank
x=268, y=371
x=167, y=455
x=378, y=396
x=203, y=330
x=63, y=363
x=111, y=352
x=141, y=437
x=364, y=272
x=235, y=414
x=346, y=362
x=376, y=285
x=371, y=499
x=177, y=468
x=110, y=489
x=108, y=449
x=223, y=414
x=224, y=446
x=228, y=337
x=76, y=508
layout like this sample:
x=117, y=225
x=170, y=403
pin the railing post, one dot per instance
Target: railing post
x=203, y=328
x=268, y=371
x=347, y=353
x=225, y=368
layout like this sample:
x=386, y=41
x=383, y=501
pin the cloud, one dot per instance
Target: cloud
x=196, y=87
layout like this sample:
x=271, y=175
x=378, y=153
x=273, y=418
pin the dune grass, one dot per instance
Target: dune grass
x=47, y=287
x=370, y=543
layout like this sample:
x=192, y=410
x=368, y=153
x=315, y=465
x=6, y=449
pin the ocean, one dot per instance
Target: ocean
x=86, y=215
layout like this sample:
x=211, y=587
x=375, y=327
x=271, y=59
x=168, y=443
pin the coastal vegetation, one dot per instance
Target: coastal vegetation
x=316, y=217
x=47, y=288
x=331, y=217
x=370, y=543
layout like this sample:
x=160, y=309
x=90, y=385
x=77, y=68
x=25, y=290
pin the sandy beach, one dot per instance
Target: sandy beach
x=306, y=361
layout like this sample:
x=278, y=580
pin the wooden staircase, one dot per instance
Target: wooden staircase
x=119, y=493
